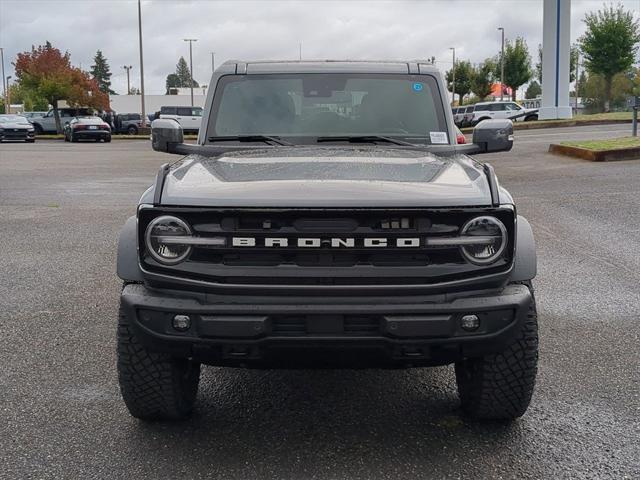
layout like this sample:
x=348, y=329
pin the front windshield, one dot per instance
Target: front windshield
x=308, y=106
x=13, y=119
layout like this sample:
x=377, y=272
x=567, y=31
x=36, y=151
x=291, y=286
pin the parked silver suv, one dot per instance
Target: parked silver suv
x=502, y=110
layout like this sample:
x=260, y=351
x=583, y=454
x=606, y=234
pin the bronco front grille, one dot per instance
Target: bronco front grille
x=324, y=264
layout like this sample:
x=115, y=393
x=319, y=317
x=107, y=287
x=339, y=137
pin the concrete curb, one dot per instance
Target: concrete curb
x=614, y=154
x=556, y=124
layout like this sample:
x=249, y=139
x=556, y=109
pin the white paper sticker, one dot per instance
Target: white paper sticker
x=438, y=137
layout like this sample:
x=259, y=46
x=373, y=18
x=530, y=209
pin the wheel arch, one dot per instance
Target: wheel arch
x=525, y=258
x=127, y=263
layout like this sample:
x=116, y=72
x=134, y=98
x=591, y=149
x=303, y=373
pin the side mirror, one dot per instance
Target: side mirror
x=493, y=136
x=166, y=134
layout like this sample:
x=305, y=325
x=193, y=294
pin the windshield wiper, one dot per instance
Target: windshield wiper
x=365, y=139
x=250, y=138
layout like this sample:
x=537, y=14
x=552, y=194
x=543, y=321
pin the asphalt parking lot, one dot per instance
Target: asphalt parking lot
x=61, y=208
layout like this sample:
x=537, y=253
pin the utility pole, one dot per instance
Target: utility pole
x=7, y=107
x=213, y=62
x=127, y=68
x=144, y=116
x=453, y=74
x=4, y=86
x=502, y=66
x=577, y=75
x=300, y=51
x=191, y=40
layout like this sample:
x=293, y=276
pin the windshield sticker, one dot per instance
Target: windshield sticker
x=438, y=137
x=417, y=87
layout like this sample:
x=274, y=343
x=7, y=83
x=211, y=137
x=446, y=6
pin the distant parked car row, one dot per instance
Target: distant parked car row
x=470, y=115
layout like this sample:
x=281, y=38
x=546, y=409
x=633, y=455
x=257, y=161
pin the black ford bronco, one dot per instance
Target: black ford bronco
x=327, y=216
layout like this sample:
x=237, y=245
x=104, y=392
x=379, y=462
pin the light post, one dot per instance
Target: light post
x=127, y=68
x=4, y=86
x=213, y=62
x=300, y=51
x=453, y=75
x=144, y=116
x=502, y=66
x=8, y=106
x=191, y=40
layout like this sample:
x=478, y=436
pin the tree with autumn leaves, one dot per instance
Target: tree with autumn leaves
x=48, y=74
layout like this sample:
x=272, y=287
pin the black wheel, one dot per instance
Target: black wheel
x=132, y=130
x=499, y=386
x=30, y=140
x=154, y=386
x=531, y=118
x=38, y=129
x=107, y=139
x=73, y=138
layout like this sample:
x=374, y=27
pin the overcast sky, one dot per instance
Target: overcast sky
x=243, y=29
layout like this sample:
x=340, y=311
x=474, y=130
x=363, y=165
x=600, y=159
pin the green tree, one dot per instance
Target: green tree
x=184, y=74
x=173, y=81
x=483, y=78
x=609, y=45
x=47, y=73
x=464, y=73
x=596, y=86
x=101, y=73
x=517, y=64
x=533, y=90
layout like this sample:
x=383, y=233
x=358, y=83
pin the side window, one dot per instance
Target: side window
x=168, y=111
x=514, y=106
x=196, y=112
x=498, y=107
x=483, y=108
x=184, y=111
x=469, y=110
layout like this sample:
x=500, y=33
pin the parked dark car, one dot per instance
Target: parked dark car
x=87, y=128
x=128, y=123
x=16, y=127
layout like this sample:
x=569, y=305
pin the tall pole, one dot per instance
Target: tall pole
x=8, y=105
x=577, y=72
x=191, y=40
x=4, y=86
x=453, y=74
x=127, y=68
x=300, y=51
x=213, y=62
x=144, y=116
x=502, y=66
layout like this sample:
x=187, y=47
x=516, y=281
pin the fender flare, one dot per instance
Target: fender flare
x=525, y=259
x=127, y=266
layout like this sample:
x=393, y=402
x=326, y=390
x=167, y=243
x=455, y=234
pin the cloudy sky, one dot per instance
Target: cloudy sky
x=267, y=29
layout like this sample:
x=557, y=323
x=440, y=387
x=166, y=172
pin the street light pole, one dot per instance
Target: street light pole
x=127, y=68
x=191, y=40
x=7, y=107
x=502, y=66
x=144, y=116
x=300, y=51
x=213, y=62
x=453, y=74
x=4, y=86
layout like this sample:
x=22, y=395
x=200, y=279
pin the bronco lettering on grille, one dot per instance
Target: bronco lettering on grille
x=318, y=242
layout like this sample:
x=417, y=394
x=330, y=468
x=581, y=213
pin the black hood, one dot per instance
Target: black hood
x=326, y=177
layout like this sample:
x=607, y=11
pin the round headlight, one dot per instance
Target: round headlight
x=489, y=242
x=162, y=239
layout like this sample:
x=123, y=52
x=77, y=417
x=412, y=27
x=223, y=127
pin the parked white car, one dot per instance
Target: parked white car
x=500, y=110
x=47, y=122
x=189, y=118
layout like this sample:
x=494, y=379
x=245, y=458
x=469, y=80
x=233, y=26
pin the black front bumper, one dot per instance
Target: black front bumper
x=299, y=332
x=16, y=134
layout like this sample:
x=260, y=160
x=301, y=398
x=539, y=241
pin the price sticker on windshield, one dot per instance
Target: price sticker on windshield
x=438, y=137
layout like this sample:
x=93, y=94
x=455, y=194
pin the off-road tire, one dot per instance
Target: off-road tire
x=154, y=386
x=499, y=386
